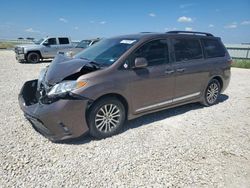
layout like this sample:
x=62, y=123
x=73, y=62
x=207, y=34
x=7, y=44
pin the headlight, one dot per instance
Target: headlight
x=65, y=87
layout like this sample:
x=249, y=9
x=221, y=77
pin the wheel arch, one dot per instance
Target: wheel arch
x=119, y=97
x=36, y=51
x=219, y=79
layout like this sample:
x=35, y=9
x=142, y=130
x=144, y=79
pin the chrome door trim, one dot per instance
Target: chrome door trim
x=186, y=96
x=168, y=102
x=154, y=106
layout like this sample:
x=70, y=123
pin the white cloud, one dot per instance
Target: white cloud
x=152, y=14
x=76, y=28
x=184, y=19
x=246, y=22
x=211, y=25
x=103, y=22
x=231, y=26
x=31, y=30
x=188, y=29
x=63, y=20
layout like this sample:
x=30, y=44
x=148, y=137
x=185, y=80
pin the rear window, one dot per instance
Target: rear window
x=63, y=40
x=187, y=49
x=213, y=48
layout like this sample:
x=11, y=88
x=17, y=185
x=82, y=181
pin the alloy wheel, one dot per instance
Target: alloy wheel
x=212, y=93
x=108, y=118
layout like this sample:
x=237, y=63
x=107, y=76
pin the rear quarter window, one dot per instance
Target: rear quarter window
x=213, y=48
x=187, y=49
x=63, y=41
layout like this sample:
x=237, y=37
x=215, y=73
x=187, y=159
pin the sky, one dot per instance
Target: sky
x=83, y=19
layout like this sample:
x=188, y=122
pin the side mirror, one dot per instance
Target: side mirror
x=46, y=43
x=140, y=62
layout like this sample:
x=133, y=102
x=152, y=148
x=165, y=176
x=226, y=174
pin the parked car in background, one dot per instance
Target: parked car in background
x=45, y=48
x=79, y=47
x=123, y=78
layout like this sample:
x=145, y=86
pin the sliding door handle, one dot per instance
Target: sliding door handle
x=169, y=71
x=180, y=70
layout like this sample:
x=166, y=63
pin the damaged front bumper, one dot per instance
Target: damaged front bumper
x=60, y=120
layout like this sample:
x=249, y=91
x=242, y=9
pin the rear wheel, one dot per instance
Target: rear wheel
x=33, y=57
x=212, y=93
x=106, y=117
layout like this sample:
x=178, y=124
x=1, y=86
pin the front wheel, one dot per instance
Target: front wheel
x=212, y=93
x=106, y=117
x=33, y=57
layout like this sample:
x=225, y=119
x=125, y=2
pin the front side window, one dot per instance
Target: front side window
x=51, y=41
x=63, y=40
x=187, y=49
x=156, y=52
x=107, y=51
x=213, y=48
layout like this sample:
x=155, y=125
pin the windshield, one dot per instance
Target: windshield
x=107, y=51
x=39, y=41
x=83, y=44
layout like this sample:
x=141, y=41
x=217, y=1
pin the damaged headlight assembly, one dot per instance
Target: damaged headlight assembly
x=63, y=88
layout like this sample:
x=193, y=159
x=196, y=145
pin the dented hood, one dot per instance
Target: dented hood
x=62, y=67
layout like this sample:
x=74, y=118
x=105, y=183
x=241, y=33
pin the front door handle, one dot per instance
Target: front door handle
x=180, y=70
x=169, y=71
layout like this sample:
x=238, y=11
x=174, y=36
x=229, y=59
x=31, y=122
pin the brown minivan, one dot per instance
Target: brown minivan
x=123, y=78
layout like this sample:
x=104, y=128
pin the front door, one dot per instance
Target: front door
x=151, y=87
x=51, y=48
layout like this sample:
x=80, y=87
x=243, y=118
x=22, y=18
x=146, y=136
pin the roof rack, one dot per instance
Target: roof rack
x=190, y=32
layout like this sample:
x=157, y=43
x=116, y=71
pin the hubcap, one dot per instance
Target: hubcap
x=212, y=93
x=107, y=118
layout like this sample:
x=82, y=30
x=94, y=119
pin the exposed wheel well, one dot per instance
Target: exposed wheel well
x=219, y=80
x=115, y=95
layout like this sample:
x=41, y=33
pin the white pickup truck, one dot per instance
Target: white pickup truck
x=45, y=48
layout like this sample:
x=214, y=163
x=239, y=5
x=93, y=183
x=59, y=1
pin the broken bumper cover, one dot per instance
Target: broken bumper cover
x=60, y=120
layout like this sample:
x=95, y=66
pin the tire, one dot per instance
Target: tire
x=212, y=93
x=33, y=57
x=106, y=117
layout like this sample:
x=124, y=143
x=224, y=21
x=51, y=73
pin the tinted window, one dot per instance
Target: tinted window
x=156, y=52
x=63, y=40
x=52, y=41
x=187, y=49
x=213, y=48
x=83, y=44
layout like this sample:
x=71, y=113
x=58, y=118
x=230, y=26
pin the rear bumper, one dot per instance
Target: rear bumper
x=57, y=121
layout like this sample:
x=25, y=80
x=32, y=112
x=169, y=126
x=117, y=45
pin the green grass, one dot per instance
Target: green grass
x=4, y=45
x=240, y=63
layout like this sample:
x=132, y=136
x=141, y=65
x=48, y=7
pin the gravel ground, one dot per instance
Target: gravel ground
x=188, y=146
